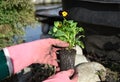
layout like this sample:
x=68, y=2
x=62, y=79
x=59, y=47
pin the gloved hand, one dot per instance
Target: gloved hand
x=63, y=76
x=39, y=51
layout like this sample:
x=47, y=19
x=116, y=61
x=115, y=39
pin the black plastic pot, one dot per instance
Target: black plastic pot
x=100, y=12
x=67, y=59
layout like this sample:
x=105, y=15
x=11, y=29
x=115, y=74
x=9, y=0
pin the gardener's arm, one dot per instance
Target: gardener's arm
x=15, y=58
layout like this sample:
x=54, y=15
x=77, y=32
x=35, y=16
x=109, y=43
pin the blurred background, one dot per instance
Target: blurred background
x=47, y=12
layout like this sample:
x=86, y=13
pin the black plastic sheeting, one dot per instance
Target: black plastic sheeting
x=103, y=1
x=102, y=41
x=94, y=11
x=101, y=21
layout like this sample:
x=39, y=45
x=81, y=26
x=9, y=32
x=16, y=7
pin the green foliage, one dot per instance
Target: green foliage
x=15, y=15
x=67, y=31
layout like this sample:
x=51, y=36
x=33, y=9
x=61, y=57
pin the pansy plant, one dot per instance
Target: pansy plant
x=67, y=30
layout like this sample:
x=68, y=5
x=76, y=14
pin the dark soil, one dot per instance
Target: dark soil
x=66, y=58
x=13, y=78
x=40, y=72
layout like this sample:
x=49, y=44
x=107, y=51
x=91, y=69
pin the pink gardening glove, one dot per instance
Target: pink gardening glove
x=63, y=76
x=39, y=51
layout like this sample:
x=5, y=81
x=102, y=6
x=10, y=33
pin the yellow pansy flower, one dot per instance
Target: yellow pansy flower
x=64, y=13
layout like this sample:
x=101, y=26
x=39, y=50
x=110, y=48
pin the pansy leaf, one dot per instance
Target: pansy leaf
x=56, y=23
x=81, y=29
x=80, y=43
x=54, y=29
x=59, y=33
